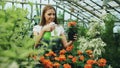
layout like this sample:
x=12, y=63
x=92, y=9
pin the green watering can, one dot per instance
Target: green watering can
x=47, y=35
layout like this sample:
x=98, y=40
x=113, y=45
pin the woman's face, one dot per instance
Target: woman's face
x=49, y=16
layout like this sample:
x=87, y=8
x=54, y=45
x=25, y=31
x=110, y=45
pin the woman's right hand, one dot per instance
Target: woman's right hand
x=48, y=27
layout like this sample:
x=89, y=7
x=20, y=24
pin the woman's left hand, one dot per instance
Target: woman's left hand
x=75, y=37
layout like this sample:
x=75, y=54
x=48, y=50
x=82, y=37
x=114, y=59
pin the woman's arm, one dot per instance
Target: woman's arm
x=38, y=36
x=64, y=41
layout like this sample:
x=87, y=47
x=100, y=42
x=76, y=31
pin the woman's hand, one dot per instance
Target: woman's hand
x=49, y=27
x=75, y=37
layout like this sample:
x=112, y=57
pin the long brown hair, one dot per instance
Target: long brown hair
x=43, y=21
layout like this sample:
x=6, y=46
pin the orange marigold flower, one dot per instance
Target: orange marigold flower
x=102, y=62
x=88, y=66
x=69, y=48
x=51, y=53
x=42, y=58
x=56, y=58
x=48, y=64
x=79, y=52
x=74, y=59
x=46, y=54
x=89, y=52
x=62, y=58
x=62, y=52
x=56, y=65
x=81, y=58
x=71, y=24
x=90, y=61
x=70, y=56
x=67, y=66
x=46, y=61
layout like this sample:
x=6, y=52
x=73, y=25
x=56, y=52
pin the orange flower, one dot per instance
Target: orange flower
x=42, y=58
x=56, y=58
x=89, y=52
x=74, y=59
x=90, y=61
x=48, y=64
x=56, y=65
x=46, y=54
x=82, y=58
x=62, y=58
x=71, y=24
x=70, y=56
x=88, y=66
x=79, y=52
x=51, y=53
x=102, y=62
x=62, y=52
x=69, y=48
x=67, y=66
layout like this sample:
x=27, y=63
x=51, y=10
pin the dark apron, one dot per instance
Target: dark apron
x=54, y=44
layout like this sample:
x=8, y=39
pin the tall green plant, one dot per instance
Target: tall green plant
x=109, y=20
x=15, y=43
x=111, y=49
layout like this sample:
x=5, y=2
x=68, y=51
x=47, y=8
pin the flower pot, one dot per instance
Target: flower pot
x=72, y=31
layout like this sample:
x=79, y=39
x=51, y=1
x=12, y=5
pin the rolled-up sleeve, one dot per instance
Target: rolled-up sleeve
x=61, y=30
x=37, y=28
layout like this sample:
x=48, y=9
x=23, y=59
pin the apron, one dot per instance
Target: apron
x=54, y=44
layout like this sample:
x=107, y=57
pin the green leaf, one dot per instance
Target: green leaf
x=8, y=53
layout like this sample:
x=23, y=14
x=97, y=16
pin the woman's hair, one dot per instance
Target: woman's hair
x=46, y=8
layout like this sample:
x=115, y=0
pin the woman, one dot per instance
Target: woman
x=47, y=25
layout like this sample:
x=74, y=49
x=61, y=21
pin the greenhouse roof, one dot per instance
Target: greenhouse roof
x=83, y=10
x=87, y=9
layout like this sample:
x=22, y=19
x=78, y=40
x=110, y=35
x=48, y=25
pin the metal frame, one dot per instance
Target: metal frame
x=80, y=9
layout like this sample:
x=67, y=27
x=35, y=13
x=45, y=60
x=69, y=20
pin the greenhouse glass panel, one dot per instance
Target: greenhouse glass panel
x=97, y=7
x=81, y=3
x=99, y=2
x=35, y=1
x=8, y=5
x=28, y=7
x=73, y=18
x=52, y=2
x=44, y=1
x=67, y=16
x=18, y=5
x=89, y=2
x=113, y=4
x=116, y=14
x=34, y=10
x=88, y=7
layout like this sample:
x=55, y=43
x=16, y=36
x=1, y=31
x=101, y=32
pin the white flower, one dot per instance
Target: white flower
x=97, y=45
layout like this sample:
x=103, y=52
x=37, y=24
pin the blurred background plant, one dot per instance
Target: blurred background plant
x=112, y=50
x=16, y=45
x=93, y=40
